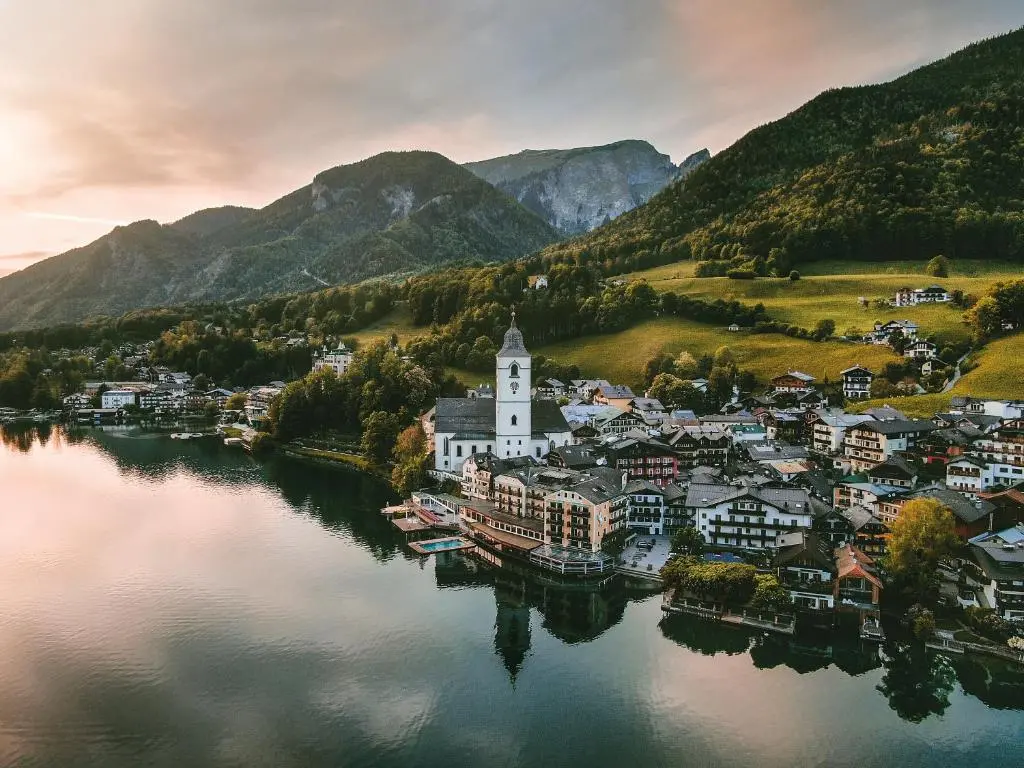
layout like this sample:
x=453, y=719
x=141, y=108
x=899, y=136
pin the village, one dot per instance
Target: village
x=607, y=483
x=587, y=480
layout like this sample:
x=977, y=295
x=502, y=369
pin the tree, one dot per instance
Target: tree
x=769, y=594
x=379, y=435
x=685, y=365
x=825, y=328
x=938, y=267
x=922, y=534
x=984, y=317
x=794, y=276
x=688, y=541
x=236, y=402
x=410, y=456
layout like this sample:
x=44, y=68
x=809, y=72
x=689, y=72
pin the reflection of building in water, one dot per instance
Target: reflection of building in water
x=512, y=627
x=576, y=616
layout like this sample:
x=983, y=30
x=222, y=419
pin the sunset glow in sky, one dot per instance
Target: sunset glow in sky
x=118, y=110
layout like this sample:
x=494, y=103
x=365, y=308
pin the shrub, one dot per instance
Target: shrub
x=741, y=274
x=794, y=276
x=988, y=623
x=938, y=267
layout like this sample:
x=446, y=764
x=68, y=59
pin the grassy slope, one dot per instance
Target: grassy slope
x=834, y=293
x=620, y=357
x=397, y=321
x=997, y=375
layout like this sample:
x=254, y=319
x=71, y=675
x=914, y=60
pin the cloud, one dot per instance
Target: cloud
x=73, y=218
x=246, y=99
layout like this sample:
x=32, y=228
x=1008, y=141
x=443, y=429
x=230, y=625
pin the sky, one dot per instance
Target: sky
x=117, y=110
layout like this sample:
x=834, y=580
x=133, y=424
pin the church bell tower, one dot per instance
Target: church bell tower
x=512, y=406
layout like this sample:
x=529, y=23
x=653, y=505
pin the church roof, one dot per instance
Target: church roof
x=513, y=345
x=466, y=415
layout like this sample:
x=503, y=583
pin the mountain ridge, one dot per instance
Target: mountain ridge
x=393, y=213
x=578, y=189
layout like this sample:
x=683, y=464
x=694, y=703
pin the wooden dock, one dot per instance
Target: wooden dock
x=409, y=524
x=781, y=623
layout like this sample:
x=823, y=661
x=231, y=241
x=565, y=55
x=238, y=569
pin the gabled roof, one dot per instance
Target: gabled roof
x=616, y=391
x=897, y=426
x=804, y=377
x=966, y=510
x=858, y=516
x=803, y=544
x=852, y=563
x=475, y=416
x=894, y=465
x=464, y=414
x=855, y=369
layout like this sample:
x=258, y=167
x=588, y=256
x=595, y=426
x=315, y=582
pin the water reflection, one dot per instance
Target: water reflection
x=173, y=603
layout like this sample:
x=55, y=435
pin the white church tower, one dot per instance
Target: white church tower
x=512, y=407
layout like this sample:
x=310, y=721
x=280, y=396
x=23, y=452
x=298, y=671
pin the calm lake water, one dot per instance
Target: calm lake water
x=171, y=603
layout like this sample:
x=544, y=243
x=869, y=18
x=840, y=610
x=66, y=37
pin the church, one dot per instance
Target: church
x=509, y=424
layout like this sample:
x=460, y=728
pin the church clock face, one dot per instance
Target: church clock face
x=514, y=386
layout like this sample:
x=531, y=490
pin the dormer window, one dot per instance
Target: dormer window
x=513, y=372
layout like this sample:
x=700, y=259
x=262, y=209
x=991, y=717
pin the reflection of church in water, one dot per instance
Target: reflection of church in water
x=571, y=614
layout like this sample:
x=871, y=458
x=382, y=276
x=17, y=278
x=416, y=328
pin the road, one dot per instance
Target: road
x=956, y=373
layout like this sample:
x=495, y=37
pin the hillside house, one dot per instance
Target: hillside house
x=792, y=381
x=921, y=350
x=857, y=382
x=911, y=297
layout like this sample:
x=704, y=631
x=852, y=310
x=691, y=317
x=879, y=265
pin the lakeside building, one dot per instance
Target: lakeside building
x=999, y=558
x=747, y=517
x=118, y=398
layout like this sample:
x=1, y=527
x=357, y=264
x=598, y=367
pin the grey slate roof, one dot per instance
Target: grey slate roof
x=898, y=426
x=464, y=414
x=962, y=507
x=475, y=416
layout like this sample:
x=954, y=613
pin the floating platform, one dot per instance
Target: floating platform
x=446, y=544
x=410, y=524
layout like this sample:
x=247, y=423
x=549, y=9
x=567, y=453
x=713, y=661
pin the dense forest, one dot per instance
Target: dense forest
x=931, y=163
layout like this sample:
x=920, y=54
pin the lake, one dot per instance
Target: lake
x=170, y=603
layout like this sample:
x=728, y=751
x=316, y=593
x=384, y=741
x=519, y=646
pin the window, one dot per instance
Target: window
x=538, y=451
x=474, y=449
x=458, y=450
x=513, y=372
x=514, y=420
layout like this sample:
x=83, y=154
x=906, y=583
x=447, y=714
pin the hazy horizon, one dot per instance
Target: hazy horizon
x=177, y=108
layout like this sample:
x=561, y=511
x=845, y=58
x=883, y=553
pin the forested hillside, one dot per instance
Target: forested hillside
x=930, y=163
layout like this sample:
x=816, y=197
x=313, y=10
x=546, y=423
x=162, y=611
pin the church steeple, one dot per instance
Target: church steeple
x=513, y=413
x=513, y=345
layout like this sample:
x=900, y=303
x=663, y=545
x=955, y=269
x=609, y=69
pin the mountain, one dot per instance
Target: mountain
x=576, y=190
x=931, y=162
x=395, y=213
x=209, y=220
